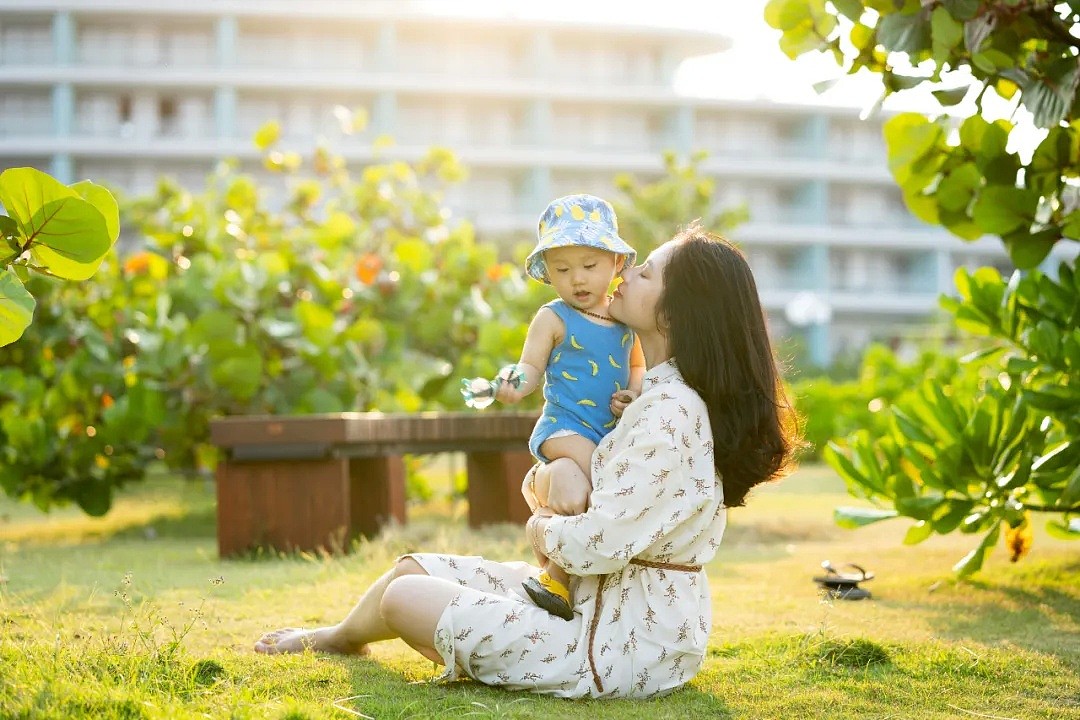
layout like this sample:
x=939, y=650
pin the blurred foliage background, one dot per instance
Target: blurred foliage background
x=361, y=291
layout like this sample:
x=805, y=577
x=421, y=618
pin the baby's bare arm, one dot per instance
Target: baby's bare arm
x=543, y=333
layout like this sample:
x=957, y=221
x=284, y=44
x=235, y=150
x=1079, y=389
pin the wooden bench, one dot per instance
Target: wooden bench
x=306, y=482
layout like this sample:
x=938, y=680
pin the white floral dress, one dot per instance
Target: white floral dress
x=640, y=628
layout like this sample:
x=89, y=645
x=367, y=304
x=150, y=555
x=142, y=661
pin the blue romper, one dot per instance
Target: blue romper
x=591, y=363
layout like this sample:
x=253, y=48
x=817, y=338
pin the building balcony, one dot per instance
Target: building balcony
x=915, y=305
x=336, y=78
x=902, y=235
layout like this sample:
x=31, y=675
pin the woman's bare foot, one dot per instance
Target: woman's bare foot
x=297, y=640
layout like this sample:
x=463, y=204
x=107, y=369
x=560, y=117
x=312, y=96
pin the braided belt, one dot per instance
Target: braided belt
x=664, y=565
x=599, y=593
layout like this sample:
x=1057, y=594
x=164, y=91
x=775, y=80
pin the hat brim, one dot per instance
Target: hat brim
x=607, y=242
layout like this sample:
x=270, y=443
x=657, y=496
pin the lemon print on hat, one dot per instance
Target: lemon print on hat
x=578, y=221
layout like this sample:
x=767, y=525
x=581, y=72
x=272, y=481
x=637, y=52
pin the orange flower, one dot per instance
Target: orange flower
x=137, y=263
x=1018, y=540
x=107, y=401
x=368, y=267
x=495, y=273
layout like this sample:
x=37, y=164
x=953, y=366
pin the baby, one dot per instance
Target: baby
x=591, y=364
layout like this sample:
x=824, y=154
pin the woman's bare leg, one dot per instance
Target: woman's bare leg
x=412, y=606
x=363, y=625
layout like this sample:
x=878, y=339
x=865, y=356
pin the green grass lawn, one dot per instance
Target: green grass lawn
x=133, y=616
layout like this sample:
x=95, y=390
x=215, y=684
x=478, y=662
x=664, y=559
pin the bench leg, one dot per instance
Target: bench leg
x=284, y=504
x=494, y=490
x=377, y=492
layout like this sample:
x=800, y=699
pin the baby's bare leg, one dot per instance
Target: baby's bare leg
x=564, y=487
x=564, y=484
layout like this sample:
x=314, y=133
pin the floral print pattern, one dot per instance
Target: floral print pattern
x=638, y=631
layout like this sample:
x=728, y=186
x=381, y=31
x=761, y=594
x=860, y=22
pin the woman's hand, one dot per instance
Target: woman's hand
x=620, y=401
x=534, y=533
x=528, y=488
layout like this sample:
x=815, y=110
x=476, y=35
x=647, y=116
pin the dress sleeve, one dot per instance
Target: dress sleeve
x=642, y=490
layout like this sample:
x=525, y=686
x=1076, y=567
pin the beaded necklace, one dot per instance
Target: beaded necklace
x=595, y=315
x=592, y=314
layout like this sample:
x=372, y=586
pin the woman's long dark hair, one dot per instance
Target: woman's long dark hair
x=712, y=315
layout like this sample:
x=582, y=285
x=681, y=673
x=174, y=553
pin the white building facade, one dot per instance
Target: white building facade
x=122, y=91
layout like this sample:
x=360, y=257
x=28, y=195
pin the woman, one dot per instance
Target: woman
x=711, y=423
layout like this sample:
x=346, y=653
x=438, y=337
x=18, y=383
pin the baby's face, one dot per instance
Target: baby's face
x=581, y=275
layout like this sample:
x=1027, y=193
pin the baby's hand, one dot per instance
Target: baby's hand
x=511, y=385
x=620, y=400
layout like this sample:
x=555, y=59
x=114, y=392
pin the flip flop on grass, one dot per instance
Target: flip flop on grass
x=844, y=585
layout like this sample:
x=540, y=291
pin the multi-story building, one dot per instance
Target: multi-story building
x=121, y=91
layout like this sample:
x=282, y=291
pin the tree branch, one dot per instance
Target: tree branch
x=1052, y=508
x=1051, y=22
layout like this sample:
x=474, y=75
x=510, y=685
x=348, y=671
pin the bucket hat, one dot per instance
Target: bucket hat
x=582, y=221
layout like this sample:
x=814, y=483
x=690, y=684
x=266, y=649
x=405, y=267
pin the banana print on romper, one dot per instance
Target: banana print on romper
x=590, y=364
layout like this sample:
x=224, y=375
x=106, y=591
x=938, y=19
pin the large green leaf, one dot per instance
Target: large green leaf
x=910, y=137
x=918, y=532
x=919, y=508
x=904, y=33
x=1071, y=495
x=851, y=9
x=1062, y=530
x=105, y=203
x=94, y=497
x=1027, y=249
x=16, y=307
x=855, y=517
x=66, y=234
x=1049, y=99
x=974, y=559
x=239, y=373
x=956, y=189
x=414, y=254
x=985, y=140
x=10, y=237
x=214, y=327
x=1057, y=155
x=947, y=34
x=1000, y=210
x=317, y=322
x=962, y=9
x=787, y=14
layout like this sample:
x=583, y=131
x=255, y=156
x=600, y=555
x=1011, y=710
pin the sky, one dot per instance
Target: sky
x=753, y=67
x=754, y=45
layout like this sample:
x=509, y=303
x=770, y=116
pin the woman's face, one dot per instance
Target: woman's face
x=634, y=301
